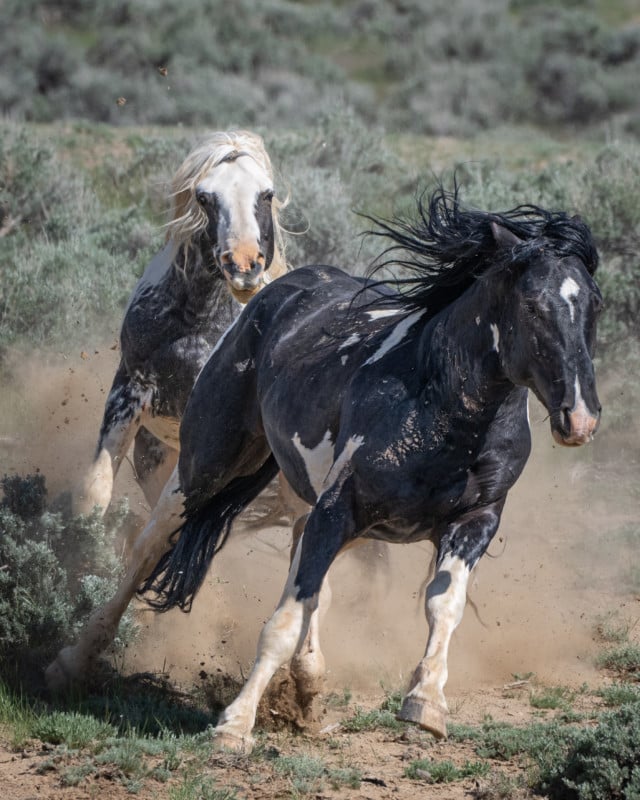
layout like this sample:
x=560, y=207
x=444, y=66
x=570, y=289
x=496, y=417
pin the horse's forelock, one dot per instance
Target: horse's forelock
x=188, y=218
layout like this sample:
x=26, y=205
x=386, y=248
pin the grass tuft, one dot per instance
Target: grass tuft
x=445, y=771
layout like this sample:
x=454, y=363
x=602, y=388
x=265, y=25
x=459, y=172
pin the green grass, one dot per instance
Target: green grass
x=201, y=788
x=371, y=720
x=445, y=771
x=308, y=774
x=552, y=697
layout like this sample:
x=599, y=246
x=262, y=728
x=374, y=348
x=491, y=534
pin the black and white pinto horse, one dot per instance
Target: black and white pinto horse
x=223, y=246
x=399, y=416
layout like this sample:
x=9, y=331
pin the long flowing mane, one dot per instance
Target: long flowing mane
x=447, y=246
x=187, y=215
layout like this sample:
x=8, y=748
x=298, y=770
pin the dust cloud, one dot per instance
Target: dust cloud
x=554, y=569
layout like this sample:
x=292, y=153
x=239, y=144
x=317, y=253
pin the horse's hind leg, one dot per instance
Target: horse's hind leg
x=74, y=662
x=122, y=416
x=286, y=631
x=308, y=665
x=460, y=547
x=154, y=461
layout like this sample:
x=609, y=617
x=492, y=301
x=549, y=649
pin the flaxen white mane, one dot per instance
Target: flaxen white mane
x=188, y=217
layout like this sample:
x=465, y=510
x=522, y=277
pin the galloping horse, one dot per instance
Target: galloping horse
x=398, y=415
x=223, y=246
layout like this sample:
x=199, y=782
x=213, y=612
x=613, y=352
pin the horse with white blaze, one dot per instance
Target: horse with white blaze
x=223, y=246
x=399, y=414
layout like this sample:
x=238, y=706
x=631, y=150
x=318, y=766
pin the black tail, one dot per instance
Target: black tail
x=182, y=569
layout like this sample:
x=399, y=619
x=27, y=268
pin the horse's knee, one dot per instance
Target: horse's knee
x=97, y=486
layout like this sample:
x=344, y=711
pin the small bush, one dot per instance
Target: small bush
x=624, y=659
x=619, y=694
x=71, y=728
x=600, y=763
x=56, y=570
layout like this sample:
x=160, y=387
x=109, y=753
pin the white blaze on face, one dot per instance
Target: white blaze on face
x=396, y=336
x=568, y=291
x=236, y=185
x=317, y=460
x=496, y=337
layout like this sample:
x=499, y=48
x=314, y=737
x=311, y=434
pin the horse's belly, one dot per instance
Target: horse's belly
x=167, y=429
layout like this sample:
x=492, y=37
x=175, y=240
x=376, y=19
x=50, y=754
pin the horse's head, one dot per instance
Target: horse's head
x=547, y=334
x=225, y=191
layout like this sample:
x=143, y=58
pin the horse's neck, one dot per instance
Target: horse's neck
x=278, y=266
x=461, y=348
x=196, y=279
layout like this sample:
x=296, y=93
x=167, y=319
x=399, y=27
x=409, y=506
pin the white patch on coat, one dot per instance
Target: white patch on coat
x=396, y=336
x=341, y=462
x=317, y=460
x=353, y=339
x=243, y=366
x=477, y=320
x=381, y=313
x=496, y=337
x=568, y=291
x=343, y=360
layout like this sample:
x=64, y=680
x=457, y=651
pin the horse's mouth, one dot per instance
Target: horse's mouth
x=572, y=428
x=244, y=295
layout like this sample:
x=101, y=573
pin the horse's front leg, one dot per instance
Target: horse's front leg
x=286, y=631
x=73, y=663
x=461, y=545
x=122, y=417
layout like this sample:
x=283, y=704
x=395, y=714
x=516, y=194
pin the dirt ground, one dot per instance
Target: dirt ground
x=554, y=570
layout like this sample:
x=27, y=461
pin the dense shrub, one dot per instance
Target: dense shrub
x=68, y=262
x=601, y=763
x=55, y=569
x=448, y=66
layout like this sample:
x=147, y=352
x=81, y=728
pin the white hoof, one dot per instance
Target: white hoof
x=62, y=672
x=231, y=742
x=427, y=715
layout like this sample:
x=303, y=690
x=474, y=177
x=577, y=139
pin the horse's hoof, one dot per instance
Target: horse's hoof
x=232, y=743
x=427, y=715
x=56, y=678
x=60, y=675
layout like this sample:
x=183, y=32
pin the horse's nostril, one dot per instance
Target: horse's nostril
x=566, y=419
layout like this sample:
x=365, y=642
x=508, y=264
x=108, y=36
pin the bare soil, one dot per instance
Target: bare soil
x=555, y=569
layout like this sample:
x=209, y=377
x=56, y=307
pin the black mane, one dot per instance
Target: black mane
x=447, y=247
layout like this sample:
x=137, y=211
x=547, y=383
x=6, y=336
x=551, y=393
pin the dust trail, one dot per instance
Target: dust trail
x=558, y=561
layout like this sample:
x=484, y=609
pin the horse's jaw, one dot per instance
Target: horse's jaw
x=244, y=295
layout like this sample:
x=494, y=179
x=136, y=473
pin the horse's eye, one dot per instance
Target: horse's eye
x=268, y=195
x=201, y=197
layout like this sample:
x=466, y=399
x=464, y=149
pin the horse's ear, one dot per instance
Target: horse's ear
x=503, y=236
